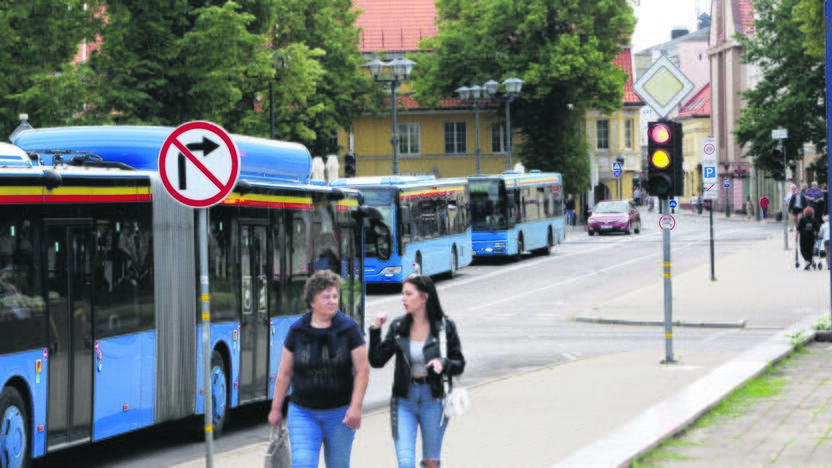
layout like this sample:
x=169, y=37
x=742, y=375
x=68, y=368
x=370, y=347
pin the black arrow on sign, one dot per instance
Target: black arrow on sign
x=207, y=146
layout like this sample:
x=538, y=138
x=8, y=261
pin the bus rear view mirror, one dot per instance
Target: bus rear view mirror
x=382, y=239
x=405, y=216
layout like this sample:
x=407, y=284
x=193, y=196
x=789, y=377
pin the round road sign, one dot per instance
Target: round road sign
x=667, y=222
x=674, y=203
x=709, y=148
x=199, y=164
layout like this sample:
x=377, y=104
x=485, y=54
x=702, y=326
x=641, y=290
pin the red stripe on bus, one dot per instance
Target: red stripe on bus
x=21, y=198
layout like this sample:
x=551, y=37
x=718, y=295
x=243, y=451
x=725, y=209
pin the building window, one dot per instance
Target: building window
x=498, y=138
x=628, y=134
x=455, y=138
x=409, y=138
x=602, y=134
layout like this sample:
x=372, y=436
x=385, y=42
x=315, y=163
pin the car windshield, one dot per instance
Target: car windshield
x=612, y=207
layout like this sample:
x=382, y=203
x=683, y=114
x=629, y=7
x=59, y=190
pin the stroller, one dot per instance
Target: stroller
x=817, y=252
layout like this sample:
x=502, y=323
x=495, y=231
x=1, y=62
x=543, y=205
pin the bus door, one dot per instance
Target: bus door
x=254, y=326
x=69, y=267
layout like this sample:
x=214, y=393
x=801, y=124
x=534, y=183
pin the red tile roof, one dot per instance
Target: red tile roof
x=624, y=61
x=698, y=106
x=395, y=25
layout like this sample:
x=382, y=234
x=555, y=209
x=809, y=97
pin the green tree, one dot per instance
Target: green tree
x=38, y=38
x=562, y=49
x=328, y=28
x=791, y=91
x=810, y=15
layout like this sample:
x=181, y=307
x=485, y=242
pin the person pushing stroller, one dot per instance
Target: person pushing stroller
x=807, y=230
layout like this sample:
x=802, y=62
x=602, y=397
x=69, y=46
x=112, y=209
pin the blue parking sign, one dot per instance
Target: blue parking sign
x=710, y=172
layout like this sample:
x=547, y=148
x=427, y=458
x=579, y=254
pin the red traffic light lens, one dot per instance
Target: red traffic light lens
x=660, y=134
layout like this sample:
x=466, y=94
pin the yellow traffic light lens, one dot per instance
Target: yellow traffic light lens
x=660, y=159
x=660, y=134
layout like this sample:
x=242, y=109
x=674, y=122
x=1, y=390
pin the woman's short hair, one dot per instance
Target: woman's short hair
x=320, y=281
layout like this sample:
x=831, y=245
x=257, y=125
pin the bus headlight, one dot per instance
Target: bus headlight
x=390, y=271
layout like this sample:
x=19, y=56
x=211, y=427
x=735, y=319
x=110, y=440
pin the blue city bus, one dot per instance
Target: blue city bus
x=429, y=220
x=512, y=213
x=99, y=326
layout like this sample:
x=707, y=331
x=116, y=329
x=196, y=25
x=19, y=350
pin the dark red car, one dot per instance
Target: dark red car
x=614, y=216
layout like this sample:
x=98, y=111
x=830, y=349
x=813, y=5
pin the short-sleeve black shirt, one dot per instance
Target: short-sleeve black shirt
x=323, y=374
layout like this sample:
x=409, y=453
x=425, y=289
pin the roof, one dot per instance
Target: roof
x=399, y=25
x=624, y=61
x=698, y=106
x=394, y=25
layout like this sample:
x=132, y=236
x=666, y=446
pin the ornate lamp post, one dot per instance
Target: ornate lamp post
x=279, y=64
x=513, y=87
x=473, y=95
x=400, y=69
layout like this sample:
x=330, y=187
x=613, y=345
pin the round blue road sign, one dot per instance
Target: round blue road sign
x=673, y=203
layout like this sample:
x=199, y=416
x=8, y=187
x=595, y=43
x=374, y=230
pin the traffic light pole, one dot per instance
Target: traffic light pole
x=785, y=205
x=668, y=287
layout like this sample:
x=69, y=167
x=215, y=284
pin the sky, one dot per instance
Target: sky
x=656, y=18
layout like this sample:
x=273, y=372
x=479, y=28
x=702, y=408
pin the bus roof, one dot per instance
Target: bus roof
x=381, y=180
x=528, y=178
x=12, y=156
x=138, y=147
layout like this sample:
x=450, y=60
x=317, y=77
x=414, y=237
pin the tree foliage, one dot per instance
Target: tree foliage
x=791, y=91
x=562, y=49
x=37, y=39
x=810, y=15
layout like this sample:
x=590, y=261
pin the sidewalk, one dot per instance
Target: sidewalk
x=606, y=411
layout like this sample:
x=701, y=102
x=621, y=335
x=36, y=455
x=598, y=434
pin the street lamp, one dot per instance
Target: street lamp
x=400, y=69
x=474, y=96
x=279, y=64
x=482, y=95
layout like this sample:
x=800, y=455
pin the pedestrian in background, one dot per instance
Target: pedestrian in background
x=417, y=382
x=814, y=198
x=796, y=203
x=823, y=237
x=749, y=208
x=325, y=363
x=637, y=196
x=807, y=230
x=569, y=206
x=764, y=207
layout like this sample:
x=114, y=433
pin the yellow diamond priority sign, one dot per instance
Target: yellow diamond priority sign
x=663, y=86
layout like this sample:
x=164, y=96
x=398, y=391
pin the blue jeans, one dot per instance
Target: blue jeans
x=309, y=428
x=570, y=217
x=419, y=409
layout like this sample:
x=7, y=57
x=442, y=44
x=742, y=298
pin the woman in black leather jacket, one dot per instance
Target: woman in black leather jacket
x=417, y=384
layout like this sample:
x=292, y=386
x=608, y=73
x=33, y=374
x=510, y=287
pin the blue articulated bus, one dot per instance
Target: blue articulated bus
x=512, y=213
x=432, y=231
x=99, y=270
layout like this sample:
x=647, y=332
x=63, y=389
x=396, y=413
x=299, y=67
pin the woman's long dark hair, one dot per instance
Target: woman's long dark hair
x=433, y=307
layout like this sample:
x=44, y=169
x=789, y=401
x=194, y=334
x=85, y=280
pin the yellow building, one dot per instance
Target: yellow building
x=614, y=138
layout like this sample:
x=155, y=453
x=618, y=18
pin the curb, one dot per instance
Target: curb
x=658, y=323
x=670, y=417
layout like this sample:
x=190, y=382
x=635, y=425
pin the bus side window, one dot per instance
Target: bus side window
x=298, y=265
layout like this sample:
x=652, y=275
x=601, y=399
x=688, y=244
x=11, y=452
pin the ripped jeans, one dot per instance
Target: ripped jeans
x=420, y=409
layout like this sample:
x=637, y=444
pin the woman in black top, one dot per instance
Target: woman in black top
x=417, y=384
x=807, y=229
x=325, y=362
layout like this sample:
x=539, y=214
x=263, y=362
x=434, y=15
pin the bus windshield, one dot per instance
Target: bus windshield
x=382, y=200
x=488, y=208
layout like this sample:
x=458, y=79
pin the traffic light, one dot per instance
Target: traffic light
x=349, y=164
x=778, y=164
x=665, y=177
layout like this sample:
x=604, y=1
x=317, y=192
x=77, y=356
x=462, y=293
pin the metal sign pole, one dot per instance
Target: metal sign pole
x=207, y=400
x=713, y=269
x=668, y=289
x=828, y=10
x=785, y=205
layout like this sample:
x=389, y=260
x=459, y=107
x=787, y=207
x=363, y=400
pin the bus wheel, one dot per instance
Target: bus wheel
x=14, y=436
x=454, y=264
x=219, y=393
x=549, y=244
x=520, y=249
